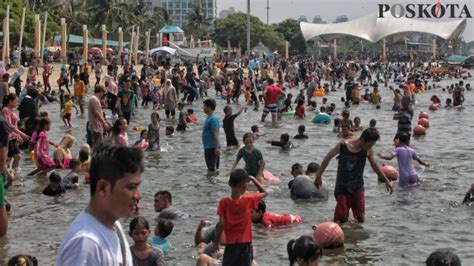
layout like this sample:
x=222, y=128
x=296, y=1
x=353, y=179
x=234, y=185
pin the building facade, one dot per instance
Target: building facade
x=179, y=9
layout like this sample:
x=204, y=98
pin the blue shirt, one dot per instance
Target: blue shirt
x=161, y=243
x=211, y=123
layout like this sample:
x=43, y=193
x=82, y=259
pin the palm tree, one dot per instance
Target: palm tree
x=198, y=24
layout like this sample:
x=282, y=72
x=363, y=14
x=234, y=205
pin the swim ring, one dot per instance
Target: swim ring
x=322, y=118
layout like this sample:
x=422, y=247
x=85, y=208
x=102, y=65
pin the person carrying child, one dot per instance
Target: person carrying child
x=235, y=219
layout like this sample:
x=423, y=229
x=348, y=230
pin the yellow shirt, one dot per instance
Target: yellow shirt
x=376, y=98
x=80, y=88
x=68, y=107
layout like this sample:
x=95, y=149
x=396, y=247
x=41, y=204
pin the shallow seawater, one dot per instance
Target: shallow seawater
x=402, y=228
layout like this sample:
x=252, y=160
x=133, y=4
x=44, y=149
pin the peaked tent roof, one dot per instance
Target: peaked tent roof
x=171, y=29
x=373, y=29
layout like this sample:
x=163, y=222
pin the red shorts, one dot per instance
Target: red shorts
x=356, y=202
x=67, y=116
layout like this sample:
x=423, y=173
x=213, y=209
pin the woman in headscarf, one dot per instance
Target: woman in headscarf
x=62, y=155
x=170, y=99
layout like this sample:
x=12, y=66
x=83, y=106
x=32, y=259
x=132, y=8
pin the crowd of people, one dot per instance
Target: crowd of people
x=293, y=88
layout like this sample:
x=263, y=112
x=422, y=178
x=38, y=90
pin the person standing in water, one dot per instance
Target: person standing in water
x=349, y=190
x=210, y=136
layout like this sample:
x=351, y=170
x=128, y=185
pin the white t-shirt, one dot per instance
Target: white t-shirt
x=89, y=242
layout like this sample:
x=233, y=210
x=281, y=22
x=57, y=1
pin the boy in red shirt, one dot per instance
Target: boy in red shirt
x=269, y=219
x=235, y=219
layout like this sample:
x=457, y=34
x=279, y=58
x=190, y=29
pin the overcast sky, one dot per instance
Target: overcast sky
x=329, y=10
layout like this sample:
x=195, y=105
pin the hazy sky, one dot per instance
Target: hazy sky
x=329, y=10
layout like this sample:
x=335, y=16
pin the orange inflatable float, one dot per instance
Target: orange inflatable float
x=328, y=235
x=419, y=130
x=390, y=172
x=423, y=115
x=319, y=93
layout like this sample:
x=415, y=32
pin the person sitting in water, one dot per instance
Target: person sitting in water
x=162, y=231
x=205, y=241
x=163, y=203
x=469, y=198
x=443, y=258
x=269, y=219
x=72, y=178
x=302, y=186
x=284, y=142
x=345, y=133
x=301, y=134
x=191, y=117
x=169, y=131
x=55, y=188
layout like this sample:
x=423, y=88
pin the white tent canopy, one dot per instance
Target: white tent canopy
x=374, y=29
x=163, y=49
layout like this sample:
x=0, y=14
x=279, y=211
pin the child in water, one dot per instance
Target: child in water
x=254, y=163
x=162, y=231
x=301, y=134
x=284, y=142
x=357, y=125
x=256, y=132
x=55, y=188
x=142, y=252
x=191, y=117
x=269, y=219
x=182, y=125
x=154, y=132
x=228, y=125
x=405, y=156
x=119, y=131
x=299, y=111
x=142, y=143
x=304, y=251
x=44, y=163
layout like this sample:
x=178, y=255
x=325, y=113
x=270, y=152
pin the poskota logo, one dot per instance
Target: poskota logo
x=437, y=10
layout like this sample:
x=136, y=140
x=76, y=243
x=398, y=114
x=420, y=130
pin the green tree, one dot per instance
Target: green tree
x=291, y=32
x=197, y=25
x=16, y=10
x=234, y=28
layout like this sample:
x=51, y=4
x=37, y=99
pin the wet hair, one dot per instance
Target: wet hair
x=300, y=102
x=124, y=159
x=301, y=128
x=83, y=155
x=370, y=135
x=116, y=127
x=139, y=220
x=54, y=178
x=190, y=111
x=404, y=138
x=305, y=248
x=19, y=259
x=313, y=167
x=248, y=135
x=284, y=138
x=345, y=113
x=443, y=258
x=166, y=194
x=238, y=177
x=356, y=118
x=227, y=108
x=372, y=123
x=211, y=103
x=142, y=133
x=254, y=128
x=74, y=163
x=337, y=121
x=9, y=98
x=170, y=128
x=180, y=105
x=296, y=166
x=262, y=206
x=42, y=124
x=157, y=115
x=313, y=103
x=165, y=227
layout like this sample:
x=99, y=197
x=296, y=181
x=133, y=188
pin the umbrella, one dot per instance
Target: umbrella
x=95, y=50
x=126, y=51
x=110, y=50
